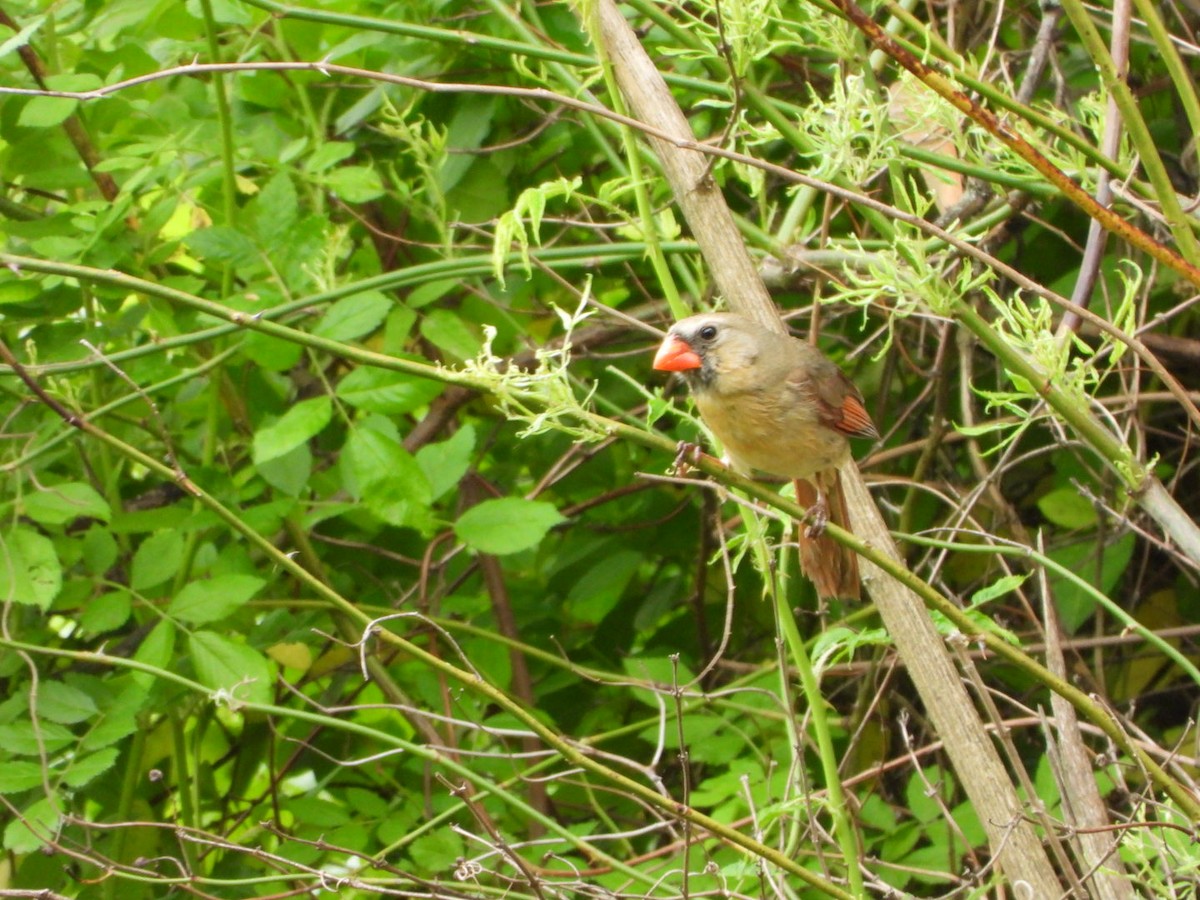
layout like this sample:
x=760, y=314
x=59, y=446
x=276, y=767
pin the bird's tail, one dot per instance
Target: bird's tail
x=832, y=568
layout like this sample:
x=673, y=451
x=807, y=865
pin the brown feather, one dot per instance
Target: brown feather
x=778, y=406
x=832, y=568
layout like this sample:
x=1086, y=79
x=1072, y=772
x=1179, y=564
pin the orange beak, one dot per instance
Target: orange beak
x=676, y=355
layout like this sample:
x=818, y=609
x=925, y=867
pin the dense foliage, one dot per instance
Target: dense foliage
x=339, y=553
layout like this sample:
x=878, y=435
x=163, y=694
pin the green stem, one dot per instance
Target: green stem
x=1135, y=125
x=843, y=824
x=225, y=123
x=1016, y=551
x=133, y=774
x=1185, y=83
x=1103, y=442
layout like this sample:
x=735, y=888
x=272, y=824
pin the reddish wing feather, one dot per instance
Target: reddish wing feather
x=855, y=421
x=839, y=404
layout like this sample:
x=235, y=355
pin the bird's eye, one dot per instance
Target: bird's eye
x=708, y=332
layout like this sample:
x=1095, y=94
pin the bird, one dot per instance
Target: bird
x=780, y=407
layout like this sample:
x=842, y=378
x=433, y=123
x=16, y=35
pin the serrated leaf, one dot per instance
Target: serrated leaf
x=157, y=650
x=288, y=473
x=100, y=550
x=240, y=673
x=302, y=422
x=30, y=571
x=158, y=558
x=221, y=244
x=59, y=702
x=17, y=775
x=107, y=612
x=353, y=316
x=386, y=392
x=87, y=768
x=449, y=333
x=385, y=477
x=37, y=824
x=20, y=738
x=276, y=209
x=506, y=525
x=118, y=718
x=62, y=503
x=200, y=602
x=438, y=851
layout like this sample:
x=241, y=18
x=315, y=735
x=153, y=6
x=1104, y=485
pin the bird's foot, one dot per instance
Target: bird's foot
x=817, y=518
x=687, y=455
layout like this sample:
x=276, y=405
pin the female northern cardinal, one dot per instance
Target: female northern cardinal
x=778, y=406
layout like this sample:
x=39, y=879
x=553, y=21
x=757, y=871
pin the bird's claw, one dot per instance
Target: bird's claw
x=817, y=518
x=687, y=455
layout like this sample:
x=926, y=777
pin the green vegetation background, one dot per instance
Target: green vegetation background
x=345, y=502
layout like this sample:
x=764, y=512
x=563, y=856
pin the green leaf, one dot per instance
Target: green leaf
x=158, y=558
x=118, y=718
x=658, y=670
x=64, y=704
x=37, y=824
x=107, y=612
x=100, y=550
x=296, y=426
x=239, y=672
x=1068, y=508
x=20, y=738
x=594, y=595
x=201, y=602
x=998, y=588
x=30, y=572
x=328, y=154
x=271, y=352
x=66, y=502
x=386, y=392
x=385, y=477
x=17, y=775
x=221, y=244
x=85, y=768
x=157, y=650
x=507, y=525
x=353, y=316
x=46, y=112
x=472, y=122
x=445, y=463
x=449, y=333
x=1076, y=605
x=227, y=12
x=288, y=473
x=354, y=184
x=14, y=291
x=32, y=25
x=276, y=209
x=437, y=852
